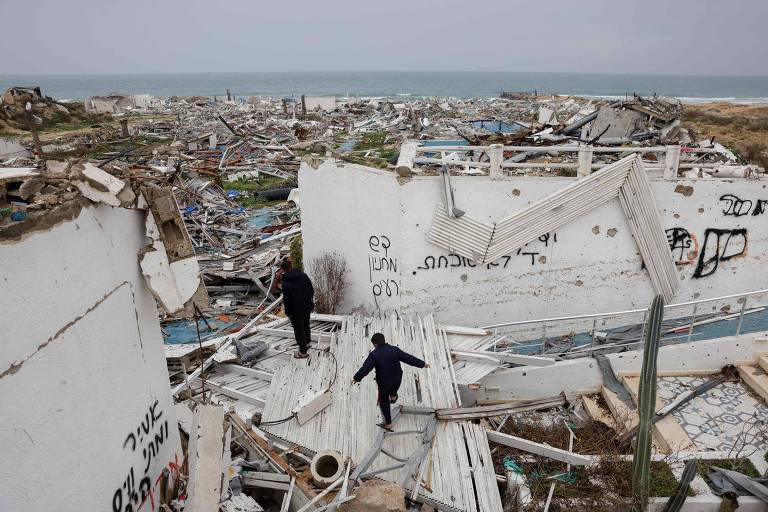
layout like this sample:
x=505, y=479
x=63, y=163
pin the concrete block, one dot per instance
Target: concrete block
x=377, y=496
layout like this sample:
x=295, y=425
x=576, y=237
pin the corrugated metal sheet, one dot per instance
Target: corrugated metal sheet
x=486, y=243
x=463, y=475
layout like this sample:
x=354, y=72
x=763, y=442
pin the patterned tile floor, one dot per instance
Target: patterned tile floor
x=725, y=416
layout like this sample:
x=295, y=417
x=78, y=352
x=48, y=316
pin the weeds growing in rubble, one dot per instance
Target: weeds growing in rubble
x=328, y=273
x=605, y=486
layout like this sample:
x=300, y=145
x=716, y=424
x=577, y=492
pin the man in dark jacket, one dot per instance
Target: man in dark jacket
x=297, y=301
x=389, y=374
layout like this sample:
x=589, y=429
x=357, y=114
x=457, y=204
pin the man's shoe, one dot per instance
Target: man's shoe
x=300, y=355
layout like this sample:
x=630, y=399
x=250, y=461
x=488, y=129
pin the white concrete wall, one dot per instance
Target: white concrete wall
x=87, y=419
x=355, y=211
x=589, y=265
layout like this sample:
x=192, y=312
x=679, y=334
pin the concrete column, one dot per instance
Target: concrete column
x=213, y=141
x=585, y=162
x=124, y=128
x=496, y=153
x=671, y=162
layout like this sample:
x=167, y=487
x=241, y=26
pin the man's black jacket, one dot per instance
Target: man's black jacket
x=297, y=293
x=386, y=359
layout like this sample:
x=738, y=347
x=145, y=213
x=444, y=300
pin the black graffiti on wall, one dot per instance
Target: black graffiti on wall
x=737, y=207
x=432, y=262
x=682, y=244
x=150, y=434
x=382, y=267
x=720, y=245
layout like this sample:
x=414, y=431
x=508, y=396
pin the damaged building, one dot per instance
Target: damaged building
x=552, y=259
x=85, y=326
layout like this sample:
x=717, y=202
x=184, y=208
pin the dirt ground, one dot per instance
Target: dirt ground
x=743, y=128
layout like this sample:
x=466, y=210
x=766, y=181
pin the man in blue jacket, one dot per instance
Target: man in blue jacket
x=389, y=374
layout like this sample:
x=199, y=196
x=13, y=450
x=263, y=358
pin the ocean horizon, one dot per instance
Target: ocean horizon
x=404, y=84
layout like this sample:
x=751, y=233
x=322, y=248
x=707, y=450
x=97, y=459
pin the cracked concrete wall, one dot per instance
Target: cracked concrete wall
x=88, y=419
x=717, y=230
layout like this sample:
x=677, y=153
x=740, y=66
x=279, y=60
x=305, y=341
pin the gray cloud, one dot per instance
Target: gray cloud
x=149, y=36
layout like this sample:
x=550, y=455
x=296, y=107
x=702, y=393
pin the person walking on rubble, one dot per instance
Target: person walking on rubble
x=298, y=294
x=389, y=373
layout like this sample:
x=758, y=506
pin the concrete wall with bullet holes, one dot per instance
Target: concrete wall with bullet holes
x=717, y=230
x=88, y=422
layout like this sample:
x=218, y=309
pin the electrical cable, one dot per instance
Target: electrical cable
x=333, y=381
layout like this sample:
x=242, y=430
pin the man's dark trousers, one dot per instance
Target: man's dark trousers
x=300, y=324
x=387, y=389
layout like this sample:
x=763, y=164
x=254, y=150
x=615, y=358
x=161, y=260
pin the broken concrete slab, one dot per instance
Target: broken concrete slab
x=10, y=148
x=101, y=187
x=377, y=496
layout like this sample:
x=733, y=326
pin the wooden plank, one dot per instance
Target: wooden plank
x=242, y=370
x=249, y=481
x=597, y=413
x=266, y=475
x=288, y=333
x=275, y=458
x=756, y=379
x=670, y=436
x=476, y=357
x=538, y=448
x=205, y=460
x=321, y=317
x=313, y=407
x=763, y=362
x=233, y=393
x=466, y=331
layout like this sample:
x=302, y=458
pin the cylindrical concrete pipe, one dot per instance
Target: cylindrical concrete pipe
x=326, y=467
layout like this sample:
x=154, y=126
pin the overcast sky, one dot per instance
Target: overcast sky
x=609, y=36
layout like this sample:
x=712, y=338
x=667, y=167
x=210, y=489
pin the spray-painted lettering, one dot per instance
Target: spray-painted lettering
x=683, y=245
x=455, y=261
x=382, y=268
x=720, y=245
x=737, y=207
x=148, y=437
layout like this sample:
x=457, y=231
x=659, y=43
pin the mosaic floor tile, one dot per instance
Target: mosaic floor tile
x=725, y=417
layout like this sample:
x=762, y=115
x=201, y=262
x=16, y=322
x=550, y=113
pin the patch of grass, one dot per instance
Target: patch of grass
x=259, y=184
x=359, y=159
x=388, y=153
x=662, y=482
x=372, y=140
x=251, y=201
x=250, y=187
x=297, y=252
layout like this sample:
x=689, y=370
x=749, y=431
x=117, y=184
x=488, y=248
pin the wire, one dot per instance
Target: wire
x=333, y=381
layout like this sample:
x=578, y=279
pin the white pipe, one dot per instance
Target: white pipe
x=624, y=312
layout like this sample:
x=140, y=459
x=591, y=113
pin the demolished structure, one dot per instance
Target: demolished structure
x=512, y=243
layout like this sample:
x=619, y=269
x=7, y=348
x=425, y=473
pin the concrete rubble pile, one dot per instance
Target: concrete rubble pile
x=217, y=181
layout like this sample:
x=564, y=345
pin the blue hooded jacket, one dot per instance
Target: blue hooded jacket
x=386, y=359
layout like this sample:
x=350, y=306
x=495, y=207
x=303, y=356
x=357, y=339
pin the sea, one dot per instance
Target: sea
x=404, y=84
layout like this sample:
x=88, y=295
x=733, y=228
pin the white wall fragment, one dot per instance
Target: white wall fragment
x=172, y=283
x=101, y=187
